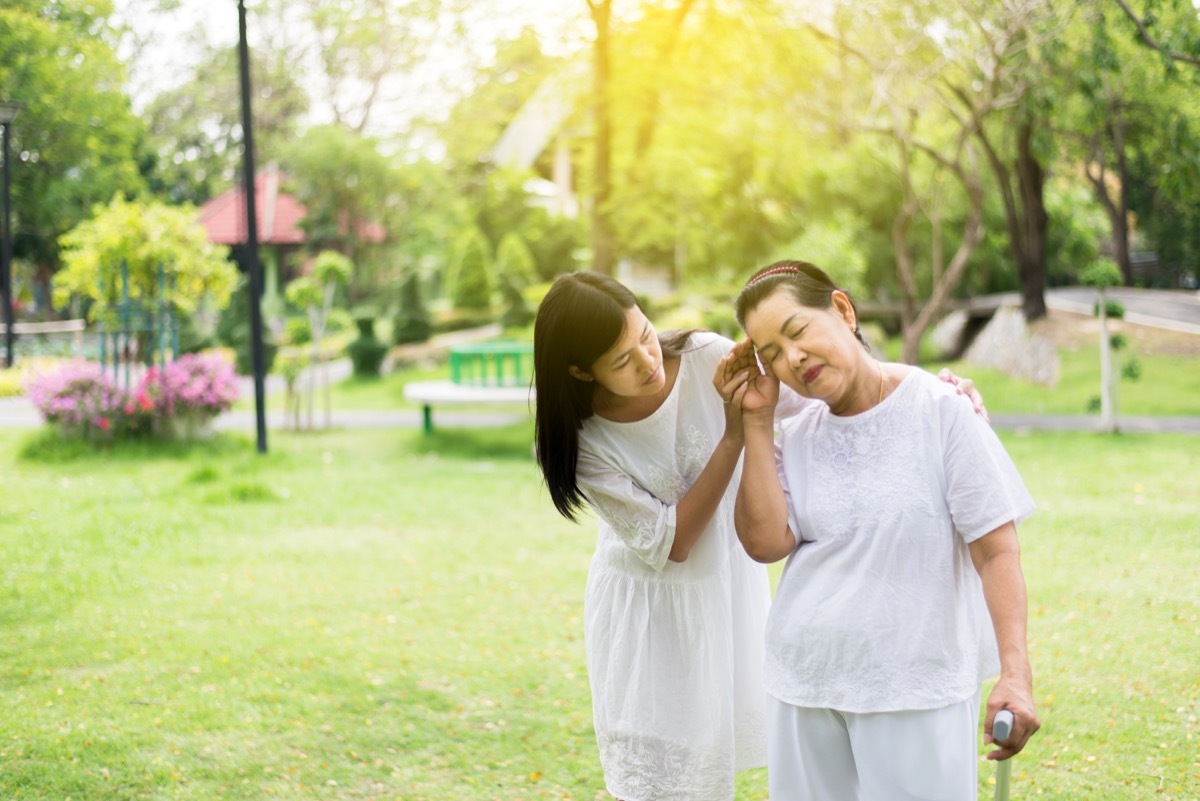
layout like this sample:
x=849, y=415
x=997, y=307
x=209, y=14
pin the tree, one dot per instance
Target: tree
x=514, y=272
x=159, y=248
x=359, y=44
x=909, y=108
x=1178, y=42
x=76, y=142
x=314, y=294
x=604, y=242
x=1103, y=274
x=697, y=189
x=1005, y=75
x=469, y=279
x=1125, y=108
x=195, y=130
x=411, y=323
x=345, y=184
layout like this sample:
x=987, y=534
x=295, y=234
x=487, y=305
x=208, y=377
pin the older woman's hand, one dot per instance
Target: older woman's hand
x=1016, y=695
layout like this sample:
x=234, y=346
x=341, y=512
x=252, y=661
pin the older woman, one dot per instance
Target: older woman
x=896, y=508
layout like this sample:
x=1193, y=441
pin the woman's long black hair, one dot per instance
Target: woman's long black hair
x=581, y=317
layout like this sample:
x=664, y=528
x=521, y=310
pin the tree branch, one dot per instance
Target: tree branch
x=1151, y=42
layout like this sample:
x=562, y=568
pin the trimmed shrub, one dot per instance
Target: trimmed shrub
x=368, y=351
x=470, y=276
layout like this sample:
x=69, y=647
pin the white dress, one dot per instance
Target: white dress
x=674, y=649
x=879, y=609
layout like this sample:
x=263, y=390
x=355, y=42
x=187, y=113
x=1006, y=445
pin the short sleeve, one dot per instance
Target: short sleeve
x=643, y=522
x=983, y=488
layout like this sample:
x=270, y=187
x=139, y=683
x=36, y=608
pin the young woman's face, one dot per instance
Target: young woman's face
x=812, y=350
x=633, y=366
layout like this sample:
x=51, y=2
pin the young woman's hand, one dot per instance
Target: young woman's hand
x=730, y=379
x=759, y=393
x=965, y=386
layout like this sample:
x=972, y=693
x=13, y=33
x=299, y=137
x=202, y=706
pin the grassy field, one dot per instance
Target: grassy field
x=378, y=615
x=1169, y=386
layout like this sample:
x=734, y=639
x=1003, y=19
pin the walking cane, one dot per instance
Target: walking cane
x=1001, y=728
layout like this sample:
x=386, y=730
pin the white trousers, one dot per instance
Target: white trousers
x=826, y=755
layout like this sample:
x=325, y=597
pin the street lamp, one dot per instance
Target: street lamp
x=8, y=113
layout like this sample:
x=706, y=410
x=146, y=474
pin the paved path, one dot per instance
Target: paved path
x=18, y=413
x=1159, y=308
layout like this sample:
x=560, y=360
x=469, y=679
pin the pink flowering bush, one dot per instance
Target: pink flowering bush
x=80, y=399
x=196, y=386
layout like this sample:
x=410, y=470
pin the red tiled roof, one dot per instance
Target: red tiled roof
x=278, y=215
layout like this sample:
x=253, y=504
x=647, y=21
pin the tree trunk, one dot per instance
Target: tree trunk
x=1121, y=220
x=603, y=249
x=1029, y=250
x=1108, y=405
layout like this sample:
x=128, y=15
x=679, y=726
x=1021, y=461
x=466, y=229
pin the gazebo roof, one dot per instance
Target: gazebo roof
x=278, y=213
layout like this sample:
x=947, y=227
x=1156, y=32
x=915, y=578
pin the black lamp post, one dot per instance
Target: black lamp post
x=253, y=267
x=8, y=113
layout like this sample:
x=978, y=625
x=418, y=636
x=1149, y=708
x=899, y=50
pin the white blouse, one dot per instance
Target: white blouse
x=880, y=608
x=674, y=649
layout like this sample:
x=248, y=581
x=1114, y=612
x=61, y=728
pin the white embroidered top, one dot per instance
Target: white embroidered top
x=674, y=648
x=880, y=608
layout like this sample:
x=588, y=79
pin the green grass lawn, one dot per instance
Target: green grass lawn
x=380, y=615
x=1169, y=386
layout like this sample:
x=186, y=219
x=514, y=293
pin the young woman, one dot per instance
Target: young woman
x=896, y=508
x=628, y=423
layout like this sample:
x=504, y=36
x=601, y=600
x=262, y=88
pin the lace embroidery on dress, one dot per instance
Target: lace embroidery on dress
x=691, y=456
x=630, y=517
x=856, y=456
x=648, y=769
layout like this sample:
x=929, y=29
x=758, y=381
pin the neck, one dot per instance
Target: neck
x=865, y=391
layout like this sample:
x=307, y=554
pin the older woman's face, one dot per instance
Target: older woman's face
x=812, y=350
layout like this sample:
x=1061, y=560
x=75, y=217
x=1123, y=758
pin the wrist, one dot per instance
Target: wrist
x=763, y=419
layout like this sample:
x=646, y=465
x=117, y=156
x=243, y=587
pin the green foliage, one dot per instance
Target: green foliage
x=1113, y=309
x=1118, y=340
x=514, y=261
x=233, y=330
x=1102, y=274
x=144, y=237
x=1131, y=370
x=194, y=139
x=191, y=338
x=834, y=243
x=470, y=279
x=367, y=351
x=75, y=144
x=344, y=183
x=297, y=331
x=1077, y=225
x=411, y=323
x=331, y=267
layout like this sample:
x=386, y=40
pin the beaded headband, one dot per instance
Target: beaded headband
x=771, y=272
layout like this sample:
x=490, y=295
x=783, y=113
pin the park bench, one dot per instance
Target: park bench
x=496, y=372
